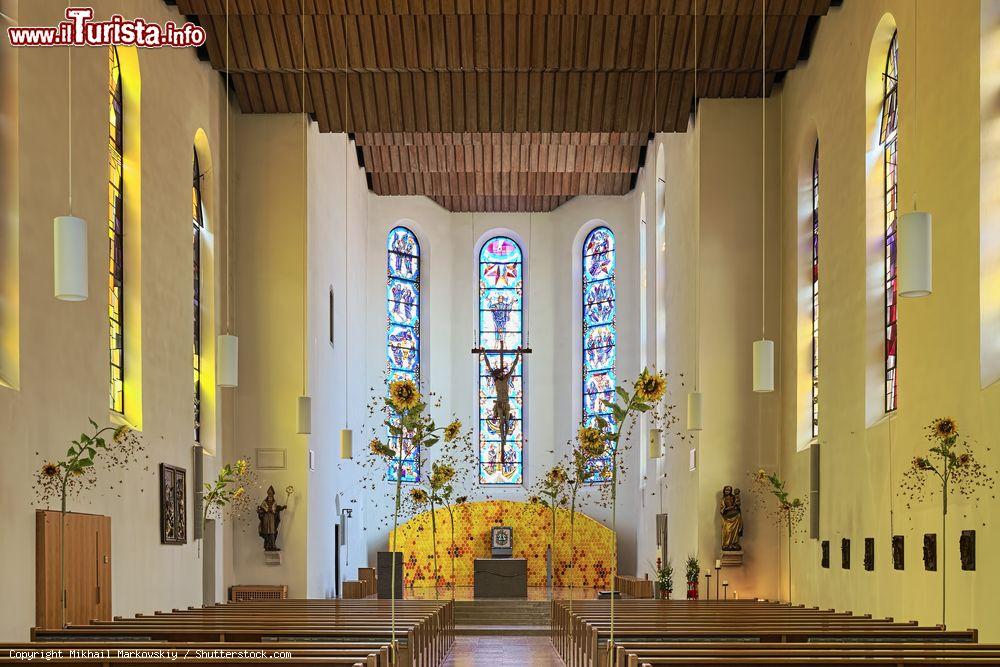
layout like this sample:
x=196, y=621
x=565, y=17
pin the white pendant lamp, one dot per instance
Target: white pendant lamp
x=69, y=233
x=70, y=257
x=346, y=444
x=227, y=347
x=227, y=360
x=763, y=349
x=763, y=366
x=915, y=254
x=304, y=410
x=655, y=443
x=694, y=414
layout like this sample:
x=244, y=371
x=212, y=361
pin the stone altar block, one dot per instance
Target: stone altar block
x=501, y=578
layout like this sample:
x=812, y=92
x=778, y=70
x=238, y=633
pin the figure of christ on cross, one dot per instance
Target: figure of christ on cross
x=501, y=375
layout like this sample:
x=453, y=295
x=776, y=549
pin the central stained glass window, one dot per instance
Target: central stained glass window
x=501, y=321
x=403, y=333
x=599, y=337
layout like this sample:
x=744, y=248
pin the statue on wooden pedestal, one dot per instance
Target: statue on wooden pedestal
x=269, y=513
x=732, y=519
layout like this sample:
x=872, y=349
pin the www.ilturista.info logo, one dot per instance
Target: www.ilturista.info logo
x=79, y=30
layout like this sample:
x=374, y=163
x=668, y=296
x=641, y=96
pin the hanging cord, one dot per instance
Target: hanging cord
x=305, y=209
x=916, y=134
x=69, y=122
x=697, y=168
x=230, y=283
x=763, y=164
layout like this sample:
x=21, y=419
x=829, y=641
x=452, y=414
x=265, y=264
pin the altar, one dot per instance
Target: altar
x=500, y=578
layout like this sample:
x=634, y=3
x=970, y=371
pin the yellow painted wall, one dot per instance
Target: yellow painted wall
x=864, y=454
x=63, y=346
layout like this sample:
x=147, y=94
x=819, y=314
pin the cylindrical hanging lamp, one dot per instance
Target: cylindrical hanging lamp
x=70, y=257
x=227, y=360
x=763, y=366
x=655, y=443
x=304, y=408
x=915, y=254
x=694, y=414
x=346, y=443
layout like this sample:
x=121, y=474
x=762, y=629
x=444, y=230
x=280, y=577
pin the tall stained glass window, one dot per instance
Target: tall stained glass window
x=888, y=137
x=197, y=224
x=501, y=319
x=815, y=292
x=116, y=148
x=599, y=336
x=403, y=332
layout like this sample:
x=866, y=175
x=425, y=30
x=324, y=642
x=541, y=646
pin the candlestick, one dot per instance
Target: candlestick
x=718, y=564
x=718, y=567
x=725, y=590
x=708, y=585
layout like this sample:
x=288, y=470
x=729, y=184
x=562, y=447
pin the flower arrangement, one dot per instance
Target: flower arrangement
x=692, y=569
x=647, y=390
x=71, y=476
x=948, y=466
x=787, y=513
x=227, y=493
x=664, y=578
x=551, y=494
x=406, y=418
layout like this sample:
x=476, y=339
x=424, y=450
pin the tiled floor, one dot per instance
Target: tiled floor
x=503, y=651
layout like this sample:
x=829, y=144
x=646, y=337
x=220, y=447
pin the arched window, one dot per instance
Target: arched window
x=599, y=336
x=116, y=236
x=888, y=136
x=197, y=224
x=403, y=331
x=815, y=292
x=501, y=309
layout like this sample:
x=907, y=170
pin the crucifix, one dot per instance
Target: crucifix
x=501, y=374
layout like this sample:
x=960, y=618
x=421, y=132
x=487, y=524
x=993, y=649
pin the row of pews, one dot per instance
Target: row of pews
x=283, y=633
x=740, y=633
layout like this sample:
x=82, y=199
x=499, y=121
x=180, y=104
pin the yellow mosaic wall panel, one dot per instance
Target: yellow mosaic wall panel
x=593, y=544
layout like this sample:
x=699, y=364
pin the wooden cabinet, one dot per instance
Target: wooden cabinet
x=88, y=568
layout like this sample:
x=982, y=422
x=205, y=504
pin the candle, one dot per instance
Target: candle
x=718, y=564
x=725, y=582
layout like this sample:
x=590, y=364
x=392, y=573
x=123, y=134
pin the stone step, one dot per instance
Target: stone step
x=511, y=630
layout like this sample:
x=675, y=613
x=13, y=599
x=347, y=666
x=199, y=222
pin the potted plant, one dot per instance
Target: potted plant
x=693, y=570
x=664, y=579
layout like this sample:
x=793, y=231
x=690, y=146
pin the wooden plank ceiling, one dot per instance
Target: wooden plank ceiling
x=500, y=105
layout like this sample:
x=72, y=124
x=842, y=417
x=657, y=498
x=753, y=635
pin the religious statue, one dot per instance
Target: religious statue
x=732, y=519
x=501, y=376
x=269, y=513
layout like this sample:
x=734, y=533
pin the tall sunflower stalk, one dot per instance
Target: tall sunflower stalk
x=436, y=491
x=647, y=390
x=551, y=494
x=117, y=447
x=227, y=492
x=407, y=421
x=580, y=471
x=788, y=512
x=450, y=505
x=952, y=462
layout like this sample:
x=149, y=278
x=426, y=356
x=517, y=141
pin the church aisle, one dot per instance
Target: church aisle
x=494, y=651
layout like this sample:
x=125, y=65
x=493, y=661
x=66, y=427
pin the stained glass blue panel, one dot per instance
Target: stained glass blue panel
x=599, y=335
x=403, y=332
x=501, y=308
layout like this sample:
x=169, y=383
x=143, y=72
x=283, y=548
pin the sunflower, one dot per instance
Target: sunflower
x=441, y=474
x=120, y=433
x=379, y=448
x=944, y=427
x=239, y=492
x=920, y=463
x=649, y=388
x=452, y=430
x=461, y=500
x=591, y=441
x=418, y=496
x=50, y=469
x=242, y=465
x=556, y=475
x=403, y=394
x=534, y=500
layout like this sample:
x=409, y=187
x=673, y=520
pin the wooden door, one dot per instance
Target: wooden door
x=88, y=568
